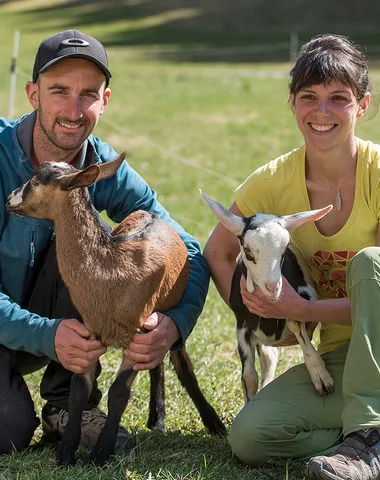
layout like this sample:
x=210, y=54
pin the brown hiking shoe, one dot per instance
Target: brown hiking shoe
x=356, y=458
x=54, y=421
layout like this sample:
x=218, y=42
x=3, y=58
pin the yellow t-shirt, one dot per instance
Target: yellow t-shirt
x=279, y=188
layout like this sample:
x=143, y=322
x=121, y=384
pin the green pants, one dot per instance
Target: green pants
x=288, y=418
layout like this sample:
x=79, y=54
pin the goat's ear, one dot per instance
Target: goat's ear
x=234, y=223
x=85, y=178
x=109, y=168
x=296, y=220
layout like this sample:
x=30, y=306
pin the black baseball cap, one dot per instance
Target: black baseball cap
x=70, y=44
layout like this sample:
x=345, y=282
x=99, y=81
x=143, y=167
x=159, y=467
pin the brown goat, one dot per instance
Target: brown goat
x=116, y=280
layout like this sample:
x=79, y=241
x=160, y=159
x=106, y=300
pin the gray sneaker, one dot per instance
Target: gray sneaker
x=54, y=421
x=356, y=458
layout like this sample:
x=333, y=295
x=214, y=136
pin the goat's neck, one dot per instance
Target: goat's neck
x=80, y=235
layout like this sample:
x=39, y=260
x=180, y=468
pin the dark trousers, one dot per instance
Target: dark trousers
x=50, y=298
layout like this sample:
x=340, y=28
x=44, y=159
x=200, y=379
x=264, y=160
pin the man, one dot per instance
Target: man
x=38, y=324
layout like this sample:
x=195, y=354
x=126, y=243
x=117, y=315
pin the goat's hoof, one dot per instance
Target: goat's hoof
x=157, y=426
x=99, y=457
x=325, y=386
x=65, y=456
x=216, y=427
x=328, y=388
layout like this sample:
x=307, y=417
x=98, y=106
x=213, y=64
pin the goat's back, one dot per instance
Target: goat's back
x=159, y=254
x=145, y=269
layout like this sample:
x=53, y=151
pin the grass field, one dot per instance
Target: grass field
x=185, y=126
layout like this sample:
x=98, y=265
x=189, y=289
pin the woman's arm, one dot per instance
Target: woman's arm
x=220, y=252
x=292, y=305
x=335, y=310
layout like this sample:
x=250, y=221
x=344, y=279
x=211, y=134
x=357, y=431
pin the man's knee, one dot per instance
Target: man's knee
x=18, y=422
x=365, y=264
x=28, y=363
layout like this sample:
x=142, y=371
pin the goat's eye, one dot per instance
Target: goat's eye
x=34, y=182
x=249, y=255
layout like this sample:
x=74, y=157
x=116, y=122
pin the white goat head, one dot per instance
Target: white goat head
x=263, y=240
x=52, y=180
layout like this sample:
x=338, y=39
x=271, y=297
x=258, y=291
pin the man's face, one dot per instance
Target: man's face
x=69, y=98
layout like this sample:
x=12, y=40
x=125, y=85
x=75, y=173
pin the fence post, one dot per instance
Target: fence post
x=293, y=49
x=12, y=90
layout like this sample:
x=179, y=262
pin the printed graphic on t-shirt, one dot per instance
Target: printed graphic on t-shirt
x=332, y=268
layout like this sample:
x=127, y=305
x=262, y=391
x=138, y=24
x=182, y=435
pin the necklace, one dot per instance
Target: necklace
x=338, y=198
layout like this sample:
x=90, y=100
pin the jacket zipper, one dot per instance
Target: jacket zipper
x=32, y=248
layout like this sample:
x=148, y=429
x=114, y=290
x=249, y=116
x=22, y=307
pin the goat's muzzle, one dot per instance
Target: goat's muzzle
x=14, y=201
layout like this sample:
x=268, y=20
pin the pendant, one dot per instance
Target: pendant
x=338, y=200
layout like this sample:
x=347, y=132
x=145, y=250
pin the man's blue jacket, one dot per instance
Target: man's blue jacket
x=22, y=239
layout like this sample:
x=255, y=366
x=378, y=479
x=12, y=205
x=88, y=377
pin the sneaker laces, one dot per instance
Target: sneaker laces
x=356, y=458
x=356, y=444
x=94, y=416
x=62, y=418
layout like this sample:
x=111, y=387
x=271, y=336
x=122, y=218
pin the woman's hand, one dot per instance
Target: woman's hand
x=288, y=305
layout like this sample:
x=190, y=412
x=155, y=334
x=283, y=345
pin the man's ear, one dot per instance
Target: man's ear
x=31, y=90
x=106, y=99
x=364, y=104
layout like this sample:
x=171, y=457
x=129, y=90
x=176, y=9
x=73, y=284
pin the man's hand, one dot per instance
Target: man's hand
x=149, y=349
x=74, y=351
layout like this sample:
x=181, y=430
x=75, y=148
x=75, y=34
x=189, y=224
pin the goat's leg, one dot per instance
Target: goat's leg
x=247, y=342
x=80, y=389
x=118, y=397
x=268, y=358
x=185, y=372
x=320, y=377
x=157, y=398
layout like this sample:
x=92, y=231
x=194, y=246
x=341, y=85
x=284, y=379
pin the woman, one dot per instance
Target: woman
x=329, y=92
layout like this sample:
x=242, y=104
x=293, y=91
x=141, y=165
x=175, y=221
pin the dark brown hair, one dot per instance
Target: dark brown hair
x=330, y=57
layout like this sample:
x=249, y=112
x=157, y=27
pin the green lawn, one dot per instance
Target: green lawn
x=185, y=126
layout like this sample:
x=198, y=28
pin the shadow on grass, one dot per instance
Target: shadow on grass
x=174, y=455
x=218, y=30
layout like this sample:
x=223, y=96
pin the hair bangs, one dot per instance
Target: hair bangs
x=317, y=68
x=327, y=58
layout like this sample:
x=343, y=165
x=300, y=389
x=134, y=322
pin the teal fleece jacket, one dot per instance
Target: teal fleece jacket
x=22, y=239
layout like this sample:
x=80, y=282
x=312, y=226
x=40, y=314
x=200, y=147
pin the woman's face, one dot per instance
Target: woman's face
x=327, y=114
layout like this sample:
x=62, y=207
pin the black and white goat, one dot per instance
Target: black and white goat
x=266, y=255
x=115, y=281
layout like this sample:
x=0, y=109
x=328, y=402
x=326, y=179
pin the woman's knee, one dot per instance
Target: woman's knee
x=365, y=264
x=248, y=438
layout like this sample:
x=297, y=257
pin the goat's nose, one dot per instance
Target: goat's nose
x=12, y=194
x=273, y=286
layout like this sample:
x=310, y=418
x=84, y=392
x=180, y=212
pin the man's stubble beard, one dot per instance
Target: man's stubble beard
x=51, y=138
